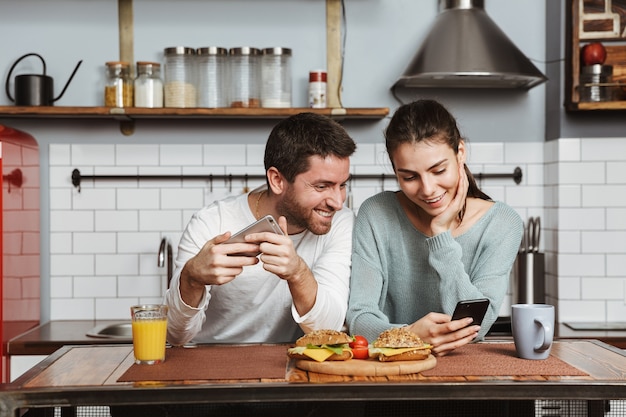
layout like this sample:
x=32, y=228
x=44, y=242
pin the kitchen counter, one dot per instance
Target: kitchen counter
x=502, y=329
x=615, y=338
x=13, y=329
x=49, y=337
x=93, y=373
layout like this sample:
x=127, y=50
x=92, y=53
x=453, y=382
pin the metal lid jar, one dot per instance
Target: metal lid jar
x=276, y=77
x=179, y=87
x=212, y=71
x=595, y=83
x=118, y=89
x=245, y=78
x=148, y=85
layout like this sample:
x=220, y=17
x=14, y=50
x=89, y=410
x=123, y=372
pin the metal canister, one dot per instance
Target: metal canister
x=118, y=90
x=595, y=83
x=179, y=87
x=245, y=78
x=212, y=70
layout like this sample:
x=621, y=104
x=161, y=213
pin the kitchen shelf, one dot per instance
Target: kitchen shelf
x=128, y=115
x=603, y=105
x=595, y=21
x=134, y=113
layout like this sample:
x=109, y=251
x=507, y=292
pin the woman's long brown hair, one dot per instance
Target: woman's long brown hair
x=428, y=120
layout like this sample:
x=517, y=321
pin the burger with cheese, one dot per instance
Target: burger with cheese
x=322, y=345
x=399, y=344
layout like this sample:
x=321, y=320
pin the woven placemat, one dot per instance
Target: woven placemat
x=213, y=362
x=497, y=359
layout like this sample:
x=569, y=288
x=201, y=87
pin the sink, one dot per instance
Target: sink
x=122, y=330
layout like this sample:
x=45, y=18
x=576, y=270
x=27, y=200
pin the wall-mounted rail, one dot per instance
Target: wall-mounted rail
x=77, y=177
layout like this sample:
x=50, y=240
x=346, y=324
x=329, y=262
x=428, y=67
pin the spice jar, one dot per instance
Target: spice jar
x=118, y=90
x=276, y=77
x=245, y=77
x=317, y=89
x=212, y=76
x=179, y=87
x=148, y=85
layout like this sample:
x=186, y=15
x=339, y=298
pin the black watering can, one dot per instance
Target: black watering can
x=35, y=89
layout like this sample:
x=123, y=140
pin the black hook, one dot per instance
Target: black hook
x=76, y=178
x=517, y=175
x=14, y=178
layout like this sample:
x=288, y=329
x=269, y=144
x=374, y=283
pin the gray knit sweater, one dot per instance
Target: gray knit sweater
x=399, y=274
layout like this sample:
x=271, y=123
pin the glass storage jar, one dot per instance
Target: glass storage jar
x=244, y=64
x=148, y=85
x=118, y=90
x=179, y=86
x=276, y=77
x=212, y=70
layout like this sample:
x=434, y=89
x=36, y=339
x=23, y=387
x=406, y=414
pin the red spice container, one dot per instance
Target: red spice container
x=317, y=89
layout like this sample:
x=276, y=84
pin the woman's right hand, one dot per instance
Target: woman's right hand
x=442, y=333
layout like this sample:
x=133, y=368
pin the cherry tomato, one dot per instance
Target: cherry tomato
x=359, y=341
x=360, y=352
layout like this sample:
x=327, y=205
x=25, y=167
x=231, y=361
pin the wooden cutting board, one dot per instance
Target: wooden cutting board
x=370, y=367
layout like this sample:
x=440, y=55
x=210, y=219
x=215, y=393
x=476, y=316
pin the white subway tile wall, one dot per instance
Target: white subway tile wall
x=585, y=217
x=104, y=238
x=20, y=201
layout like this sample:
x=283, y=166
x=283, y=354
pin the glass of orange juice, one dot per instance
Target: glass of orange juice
x=149, y=323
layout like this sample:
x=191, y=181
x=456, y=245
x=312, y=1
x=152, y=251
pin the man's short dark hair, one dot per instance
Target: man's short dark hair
x=295, y=139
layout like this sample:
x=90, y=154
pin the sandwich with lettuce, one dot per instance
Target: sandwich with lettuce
x=322, y=345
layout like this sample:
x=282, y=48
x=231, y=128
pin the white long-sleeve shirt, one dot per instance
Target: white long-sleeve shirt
x=257, y=305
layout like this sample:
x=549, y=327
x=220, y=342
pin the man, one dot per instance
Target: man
x=300, y=280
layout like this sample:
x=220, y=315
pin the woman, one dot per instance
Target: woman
x=437, y=241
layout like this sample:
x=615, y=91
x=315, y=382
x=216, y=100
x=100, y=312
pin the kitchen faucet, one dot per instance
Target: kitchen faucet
x=165, y=246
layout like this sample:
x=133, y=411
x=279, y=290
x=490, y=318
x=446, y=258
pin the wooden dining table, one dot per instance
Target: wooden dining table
x=95, y=375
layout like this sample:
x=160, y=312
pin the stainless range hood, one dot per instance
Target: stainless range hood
x=466, y=49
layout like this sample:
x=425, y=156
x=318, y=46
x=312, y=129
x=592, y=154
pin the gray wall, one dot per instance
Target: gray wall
x=382, y=37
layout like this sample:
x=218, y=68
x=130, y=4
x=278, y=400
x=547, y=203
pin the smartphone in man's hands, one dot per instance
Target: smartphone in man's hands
x=264, y=224
x=476, y=309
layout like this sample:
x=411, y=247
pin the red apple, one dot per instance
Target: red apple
x=593, y=53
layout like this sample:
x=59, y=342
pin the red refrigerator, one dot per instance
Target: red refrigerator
x=20, y=261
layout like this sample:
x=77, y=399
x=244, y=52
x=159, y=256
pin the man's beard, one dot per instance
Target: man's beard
x=300, y=217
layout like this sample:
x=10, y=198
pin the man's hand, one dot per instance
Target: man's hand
x=279, y=257
x=213, y=265
x=278, y=253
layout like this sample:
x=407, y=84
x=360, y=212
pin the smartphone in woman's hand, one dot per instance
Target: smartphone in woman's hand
x=476, y=309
